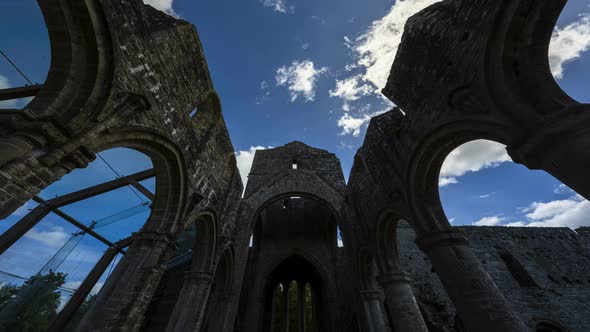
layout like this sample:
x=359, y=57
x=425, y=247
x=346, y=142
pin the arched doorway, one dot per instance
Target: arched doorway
x=295, y=246
x=293, y=297
x=194, y=250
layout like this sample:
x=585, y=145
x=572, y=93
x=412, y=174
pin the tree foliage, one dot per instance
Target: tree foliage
x=33, y=305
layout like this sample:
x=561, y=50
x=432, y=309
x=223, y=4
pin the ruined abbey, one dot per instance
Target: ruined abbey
x=214, y=256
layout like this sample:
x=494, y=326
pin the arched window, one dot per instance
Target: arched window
x=480, y=185
x=82, y=224
x=569, y=52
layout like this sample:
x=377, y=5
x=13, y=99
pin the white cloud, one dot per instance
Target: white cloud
x=487, y=195
x=163, y=5
x=541, y=211
x=279, y=6
x=352, y=125
x=244, y=160
x=444, y=181
x=300, y=78
x=472, y=157
x=562, y=189
x=350, y=89
x=488, y=221
x=53, y=238
x=568, y=44
x=5, y=84
x=573, y=212
x=376, y=48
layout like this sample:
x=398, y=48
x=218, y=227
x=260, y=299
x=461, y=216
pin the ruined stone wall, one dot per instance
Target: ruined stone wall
x=552, y=282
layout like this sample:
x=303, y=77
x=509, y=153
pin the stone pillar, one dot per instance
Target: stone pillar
x=8, y=238
x=274, y=310
x=301, y=306
x=64, y=316
x=286, y=312
x=479, y=303
x=124, y=298
x=401, y=303
x=192, y=302
x=403, y=310
x=373, y=310
x=315, y=310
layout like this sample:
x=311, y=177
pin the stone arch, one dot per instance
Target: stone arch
x=208, y=116
x=320, y=278
x=218, y=303
x=82, y=65
x=301, y=183
x=424, y=166
x=329, y=289
x=387, y=253
x=170, y=172
x=205, y=246
x=518, y=63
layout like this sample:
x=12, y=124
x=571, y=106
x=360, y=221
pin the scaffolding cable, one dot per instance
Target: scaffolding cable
x=15, y=67
x=119, y=176
x=66, y=250
x=124, y=214
x=60, y=256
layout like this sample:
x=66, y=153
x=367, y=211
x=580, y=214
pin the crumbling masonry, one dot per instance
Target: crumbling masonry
x=126, y=75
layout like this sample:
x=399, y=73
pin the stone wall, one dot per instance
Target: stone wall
x=544, y=273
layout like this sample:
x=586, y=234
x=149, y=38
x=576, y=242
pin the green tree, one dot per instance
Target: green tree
x=35, y=305
x=7, y=293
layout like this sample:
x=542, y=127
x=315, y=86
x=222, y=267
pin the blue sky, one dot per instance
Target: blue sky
x=303, y=70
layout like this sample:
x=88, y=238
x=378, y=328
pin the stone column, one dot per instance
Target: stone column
x=192, y=302
x=301, y=306
x=479, y=303
x=373, y=310
x=64, y=316
x=286, y=312
x=401, y=304
x=274, y=310
x=124, y=298
x=8, y=238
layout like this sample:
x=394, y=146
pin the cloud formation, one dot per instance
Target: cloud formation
x=163, y=5
x=55, y=237
x=352, y=125
x=350, y=89
x=568, y=44
x=279, y=6
x=572, y=212
x=472, y=157
x=5, y=84
x=488, y=221
x=300, y=79
x=244, y=159
x=376, y=48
